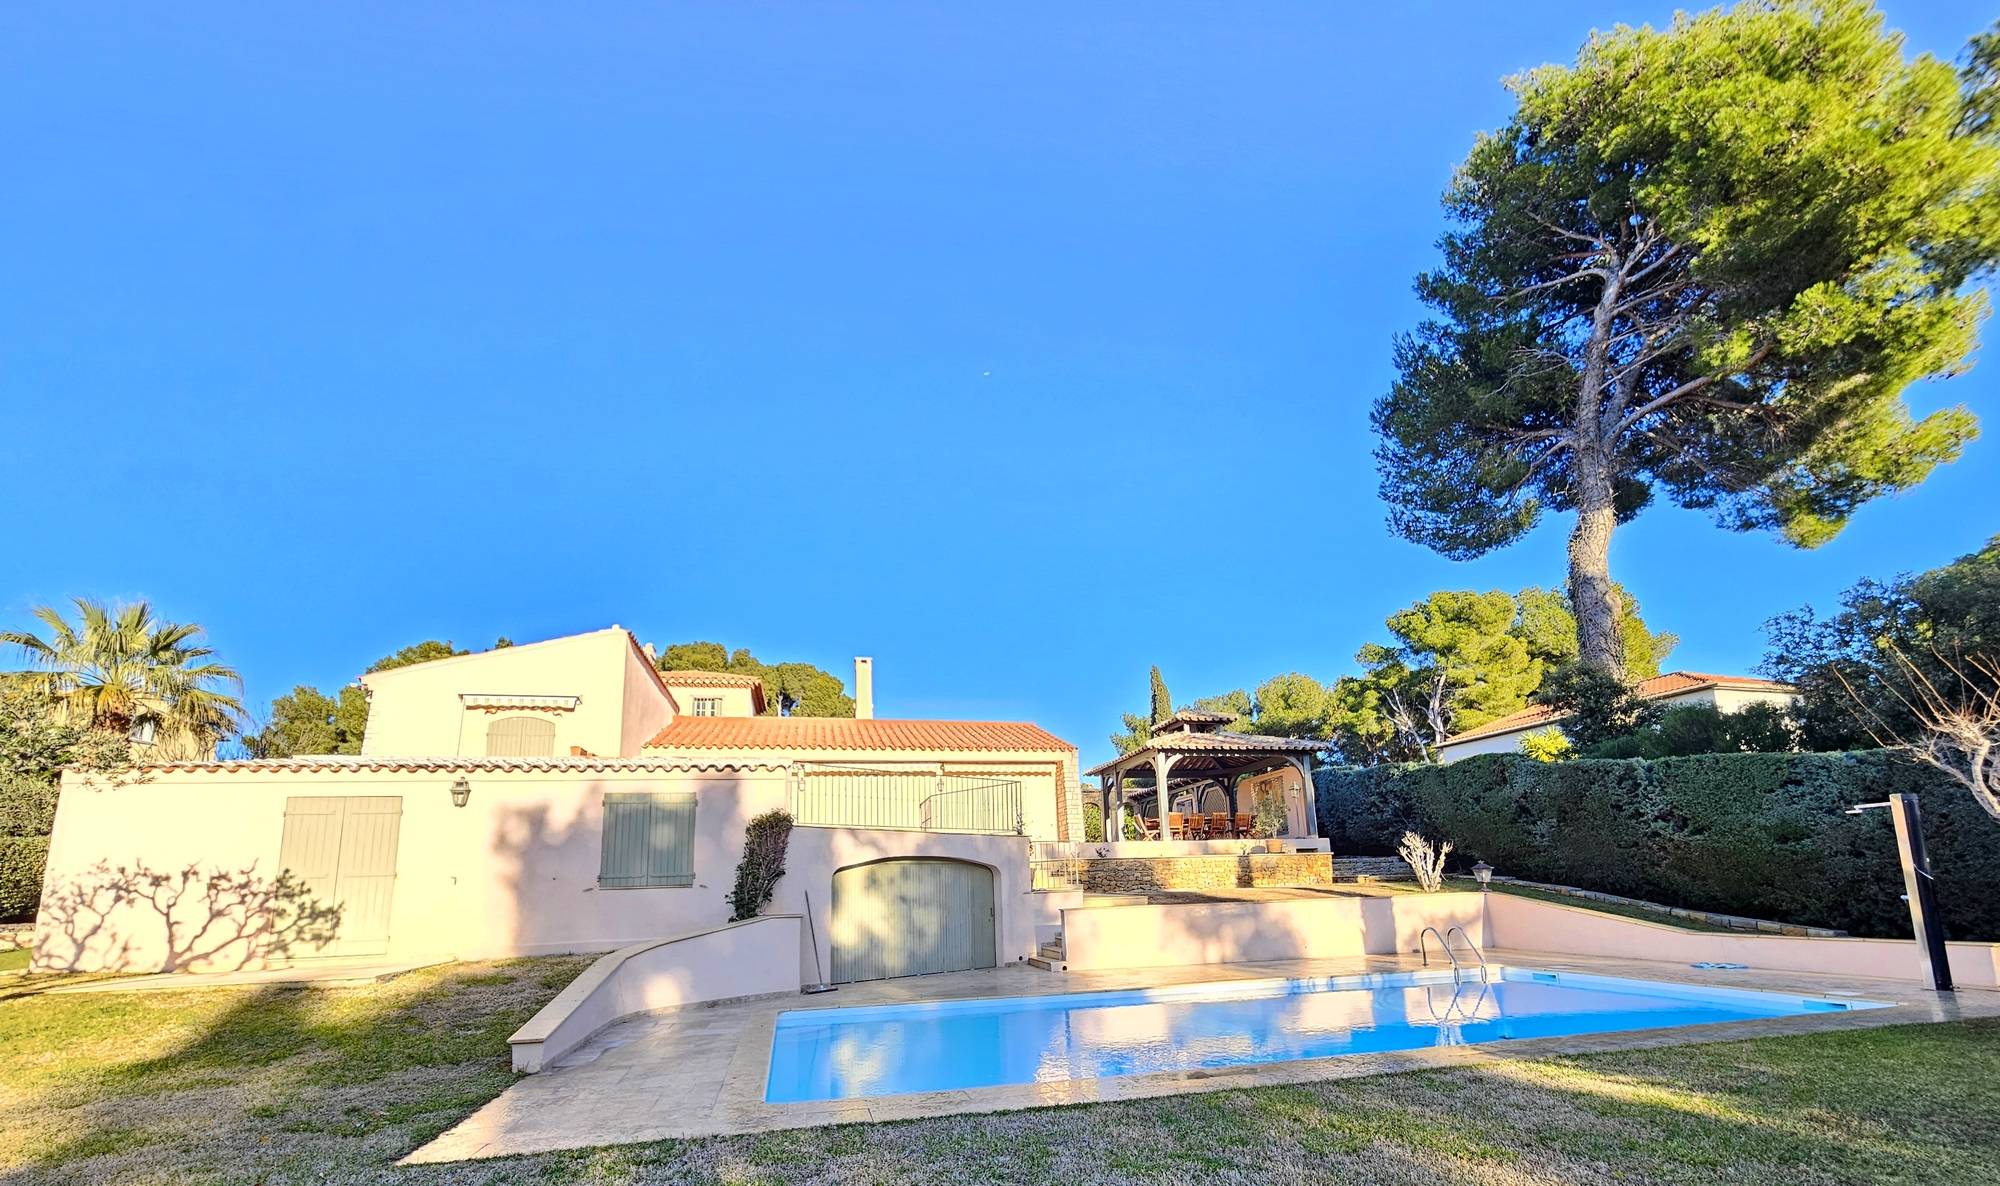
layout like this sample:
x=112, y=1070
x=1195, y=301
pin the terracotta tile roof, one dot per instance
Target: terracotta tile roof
x=1187, y=718
x=715, y=679
x=1220, y=742
x=843, y=733
x=341, y=763
x=711, y=679
x=1671, y=683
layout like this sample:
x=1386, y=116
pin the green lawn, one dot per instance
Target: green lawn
x=1623, y=911
x=15, y=960
x=331, y=1085
x=1542, y=895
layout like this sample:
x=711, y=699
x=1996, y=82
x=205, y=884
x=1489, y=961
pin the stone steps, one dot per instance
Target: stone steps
x=1049, y=957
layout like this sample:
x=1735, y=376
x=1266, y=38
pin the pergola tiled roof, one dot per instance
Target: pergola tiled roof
x=1187, y=717
x=1190, y=747
x=1230, y=748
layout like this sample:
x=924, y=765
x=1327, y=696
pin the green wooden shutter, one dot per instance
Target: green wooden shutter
x=648, y=840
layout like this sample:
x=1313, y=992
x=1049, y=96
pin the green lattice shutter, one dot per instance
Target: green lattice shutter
x=648, y=840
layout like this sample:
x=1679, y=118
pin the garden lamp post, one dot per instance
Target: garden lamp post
x=1919, y=887
x=1483, y=874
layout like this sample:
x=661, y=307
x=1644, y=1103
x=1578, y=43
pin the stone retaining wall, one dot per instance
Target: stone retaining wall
x=1132, y=875
x=1378, y=868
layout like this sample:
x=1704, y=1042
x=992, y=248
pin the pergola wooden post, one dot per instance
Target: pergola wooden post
x=1305, y=764
x=1162, y=769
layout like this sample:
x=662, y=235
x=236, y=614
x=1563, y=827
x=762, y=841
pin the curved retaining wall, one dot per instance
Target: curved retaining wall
x=752, y=958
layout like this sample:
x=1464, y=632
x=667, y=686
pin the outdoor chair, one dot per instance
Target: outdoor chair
x=1219, y=825
x=1177, y=825
x=1242, y=823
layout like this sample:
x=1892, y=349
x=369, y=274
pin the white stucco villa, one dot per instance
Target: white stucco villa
x=565, y=796
x=1729, y=693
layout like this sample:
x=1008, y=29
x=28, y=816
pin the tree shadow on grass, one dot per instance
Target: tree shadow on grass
x=333, y=1076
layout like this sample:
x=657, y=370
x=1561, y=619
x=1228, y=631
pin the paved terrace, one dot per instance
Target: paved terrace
x=700, y=1071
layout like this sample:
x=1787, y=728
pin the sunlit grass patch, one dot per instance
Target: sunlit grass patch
x=334, y=1085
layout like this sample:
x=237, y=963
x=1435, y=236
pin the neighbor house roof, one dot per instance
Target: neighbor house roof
x=844, y=733
x=717, y=679
x=1672, y=683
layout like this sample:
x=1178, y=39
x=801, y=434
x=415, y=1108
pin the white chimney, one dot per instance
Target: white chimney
x=864, y=688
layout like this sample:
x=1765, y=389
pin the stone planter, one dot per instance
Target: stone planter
x=1274, y=845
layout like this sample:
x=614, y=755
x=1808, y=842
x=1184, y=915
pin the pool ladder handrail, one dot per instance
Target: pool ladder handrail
x=1444, y=942
x=1454, y=1012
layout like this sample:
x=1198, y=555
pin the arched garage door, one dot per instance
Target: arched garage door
x=911, y=917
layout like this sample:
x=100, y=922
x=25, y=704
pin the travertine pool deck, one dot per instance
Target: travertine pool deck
x=700, y=1071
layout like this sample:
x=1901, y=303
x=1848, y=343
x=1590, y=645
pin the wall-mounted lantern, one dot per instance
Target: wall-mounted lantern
x=461, y=793
x=1483, y=874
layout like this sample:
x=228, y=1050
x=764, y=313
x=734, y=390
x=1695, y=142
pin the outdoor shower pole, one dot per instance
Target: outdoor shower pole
x=1919, y=887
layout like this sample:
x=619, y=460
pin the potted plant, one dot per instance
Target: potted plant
x=1268, y=822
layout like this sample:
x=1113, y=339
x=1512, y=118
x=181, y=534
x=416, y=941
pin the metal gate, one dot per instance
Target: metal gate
x=911, y=917
x=344, y=850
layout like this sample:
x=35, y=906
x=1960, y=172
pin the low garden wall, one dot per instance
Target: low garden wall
x=1152, y=936
x=1522, y=925
x=1762, y=835
x=755, y=957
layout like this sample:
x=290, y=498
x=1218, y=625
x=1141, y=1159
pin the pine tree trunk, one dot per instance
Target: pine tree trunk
x=1591, y=595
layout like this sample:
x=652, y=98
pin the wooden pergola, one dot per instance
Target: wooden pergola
x=1190, y=751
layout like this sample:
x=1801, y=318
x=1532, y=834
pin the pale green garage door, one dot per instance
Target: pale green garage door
x=344, y=849
x=911, y=917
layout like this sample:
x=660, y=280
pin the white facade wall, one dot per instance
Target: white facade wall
x=514, y=872
x=419, y=710
x=735, y=702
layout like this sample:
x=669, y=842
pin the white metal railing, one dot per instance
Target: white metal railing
x=908, y=800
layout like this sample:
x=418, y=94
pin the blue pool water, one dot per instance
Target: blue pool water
x=824, y=1054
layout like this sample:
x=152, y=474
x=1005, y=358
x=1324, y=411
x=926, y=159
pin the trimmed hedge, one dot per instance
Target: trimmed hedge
x=1764, y=835
x=22, y=859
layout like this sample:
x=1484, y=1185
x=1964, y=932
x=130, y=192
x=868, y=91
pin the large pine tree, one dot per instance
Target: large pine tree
x=1705, y=261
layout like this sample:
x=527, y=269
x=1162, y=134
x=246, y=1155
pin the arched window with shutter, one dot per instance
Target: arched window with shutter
x=520, y=737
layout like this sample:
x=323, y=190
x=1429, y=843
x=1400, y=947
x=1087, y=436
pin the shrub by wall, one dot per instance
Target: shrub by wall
x=1764, y=835
x=27, y=809
x=22, y=859
x=765, y=841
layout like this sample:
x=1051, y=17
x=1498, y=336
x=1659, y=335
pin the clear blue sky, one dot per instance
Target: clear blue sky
x=1021, y=347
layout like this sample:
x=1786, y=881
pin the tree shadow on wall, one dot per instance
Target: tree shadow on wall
x=137, y=919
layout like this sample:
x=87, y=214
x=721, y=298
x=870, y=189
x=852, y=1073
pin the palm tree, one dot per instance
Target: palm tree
x=119, y=666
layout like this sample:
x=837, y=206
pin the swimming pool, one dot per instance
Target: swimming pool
x=825, y=1054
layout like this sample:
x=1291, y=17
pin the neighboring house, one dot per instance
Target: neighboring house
x=1729, y=693
x=153, y=737
x=564, y=796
